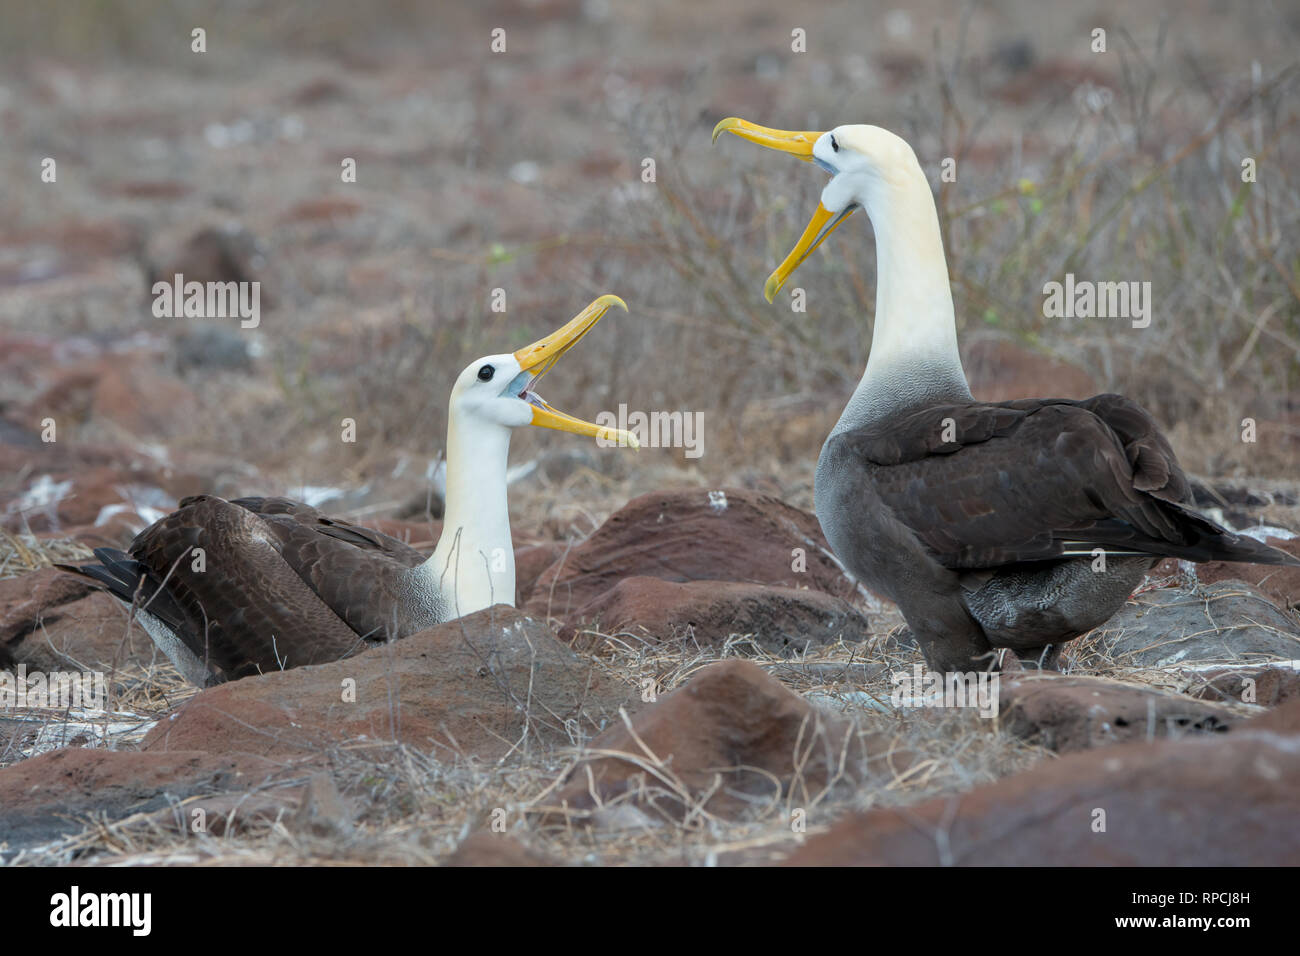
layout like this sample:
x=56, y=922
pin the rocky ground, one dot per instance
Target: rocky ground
x=669, y=691
x=688, y=677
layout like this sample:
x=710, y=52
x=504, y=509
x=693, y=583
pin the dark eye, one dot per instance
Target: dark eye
x=485, y=373
x=834, y=145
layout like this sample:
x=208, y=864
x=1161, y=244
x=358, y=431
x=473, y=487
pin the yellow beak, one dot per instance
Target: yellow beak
x=821, y=225
x=542, y=355
x=798, y=143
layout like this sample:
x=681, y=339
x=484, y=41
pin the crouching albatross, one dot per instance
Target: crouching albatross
x=232, y=588
x=1019, y=524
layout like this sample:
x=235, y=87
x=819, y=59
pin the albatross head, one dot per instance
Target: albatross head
x=498, y=389
x=866, y=164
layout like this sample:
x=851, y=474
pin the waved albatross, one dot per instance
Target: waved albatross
x=1017, y=524
x=227, y=589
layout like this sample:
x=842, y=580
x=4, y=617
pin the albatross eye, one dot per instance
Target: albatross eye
x=485, y=373
x=834, y=145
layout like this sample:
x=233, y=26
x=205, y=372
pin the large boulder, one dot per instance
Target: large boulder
x=780, y=620
x=93, y=632
x=1227, y=622
x=57, y=793
x=486, y=685
x=696, y=535
x=1265, y=685
x=54, y=621
x=1210, y=801
x=732, y=739
x=1076, y=713
x=29, y=599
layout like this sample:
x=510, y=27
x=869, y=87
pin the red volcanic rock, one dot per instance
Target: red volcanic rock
x=1284, y=719
x=1054, y=78
x=27, y=598
x=1281, y=584
x=64, y=624
x=129, y=391
x=320, y=90
x=482, y=685
x=1265, y=685
x=530, y=561
x=696, y=535
x=117, y=530
x=485, y=848
x=92, y=632
x=732, y=738
x=51, y=795
x=1076, y=713
x=311, y=807
x=149, y=189
x=323, y=209
x=1226, y=622
x=69, y=484
x=57, y=502
x=1210, y=801
x=780, y=619
x=999, y=371
x=211, y=254
x=66, y=249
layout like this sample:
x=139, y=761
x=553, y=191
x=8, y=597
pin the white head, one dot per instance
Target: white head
x=490, y=391
x=914, y=341
x=865, y=162
x=868, y=166
x=497, y=390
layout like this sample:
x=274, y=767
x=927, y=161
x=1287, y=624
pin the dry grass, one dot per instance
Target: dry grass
x=20, y=553
x=415, y=809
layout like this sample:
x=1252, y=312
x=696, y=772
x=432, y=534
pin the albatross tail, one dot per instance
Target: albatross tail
x=1203, y=540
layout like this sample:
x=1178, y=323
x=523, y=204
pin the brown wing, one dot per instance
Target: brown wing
x=988, y=485
x=238, y=603
x=365, y=588
x=356, y=571
x=365, y=538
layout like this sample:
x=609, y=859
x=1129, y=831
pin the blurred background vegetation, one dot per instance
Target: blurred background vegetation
x=522, y=171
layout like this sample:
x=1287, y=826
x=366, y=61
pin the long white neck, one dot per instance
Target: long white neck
x=473, y=566
x=914, y=353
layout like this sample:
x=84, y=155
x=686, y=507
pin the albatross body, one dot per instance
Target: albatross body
x=227, y=589
x=1016, y=524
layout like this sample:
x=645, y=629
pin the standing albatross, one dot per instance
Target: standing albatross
x=227, y=589
x=1018, y=524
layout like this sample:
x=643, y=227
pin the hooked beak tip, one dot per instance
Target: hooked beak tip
x=771, y=287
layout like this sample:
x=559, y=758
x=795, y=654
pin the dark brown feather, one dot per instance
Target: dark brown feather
x=279, y=583
x=988, y=485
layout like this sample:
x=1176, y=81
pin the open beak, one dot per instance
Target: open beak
x=538, y=358
x=798, y=143
x=821, y=225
